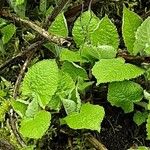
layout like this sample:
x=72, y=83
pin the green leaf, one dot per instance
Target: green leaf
x=105, y=34
x=124, y=94
x=32, y=108
x=2, y=50
x=148, y=127
x=71, y=56
x=2, y=23
x=49, y=11
x=106, y=52
x=76, y=97
x=90, y=117
x=43, y=5
x=7, y=32
x=69, y=105
x=59, y=26
x=84, y=86
x=35, y=127
x=55, y=103
x=19, y=2
x=142, y=36
x=109, y=70
x=142, y=148
x=4, y=108
x=140, y=117
x=65, y=85
x=148, y=74
x=131, y=21
x=19, y=106
x=91, y=52
x=84, y=26
x=41, y=80
x=74, y=70
x=20, y=9
x=147, y=96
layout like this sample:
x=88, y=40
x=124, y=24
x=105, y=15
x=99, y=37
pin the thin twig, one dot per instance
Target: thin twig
x=22, y=54
x=18, y=81
x=14, y=128
x=12, y=116
x=50, y=37
x=97, y=144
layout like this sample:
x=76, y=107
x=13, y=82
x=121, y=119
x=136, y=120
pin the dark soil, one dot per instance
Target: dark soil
x=119, y=132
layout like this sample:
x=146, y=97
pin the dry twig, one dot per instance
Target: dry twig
x=50, y=37
x=93, y=141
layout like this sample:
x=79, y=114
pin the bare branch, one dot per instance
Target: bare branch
x=97, y=144
x=12, y=116
x=50, y=37
x=22, y=55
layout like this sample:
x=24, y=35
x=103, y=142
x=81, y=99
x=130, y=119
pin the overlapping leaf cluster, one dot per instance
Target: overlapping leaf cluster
x=51, y=86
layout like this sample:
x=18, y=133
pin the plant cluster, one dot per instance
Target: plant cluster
x=51, y=85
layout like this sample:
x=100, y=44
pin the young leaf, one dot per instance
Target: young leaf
x=90, y=117
x=55, y=103
x=109, y=70
x=20, y=107
x=2, y=22
x=20, y=9
x=41, y=80
x=105, y=34
x=7, y=32
x=91, y=52
x=43, y=5
x=65, y=85
x=74, y=70
x=69, y=105
x=140, y=117
x=131, y=21
x=147, y=96
x=19, y=2
x=71, y=56
x=35, y=127
x=148, y=127
x=142, y=148
x=76, y=97
x=84, y=26
x=4, y=108
x=124, y=94
x=142, y=43
x=59, y=26
x=32, y=108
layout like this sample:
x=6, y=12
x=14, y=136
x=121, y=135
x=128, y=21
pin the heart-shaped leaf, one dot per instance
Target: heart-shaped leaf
x=109, y=70
x=41, y=81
